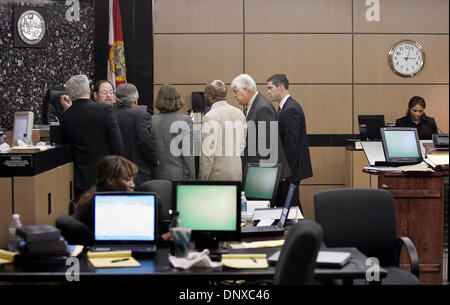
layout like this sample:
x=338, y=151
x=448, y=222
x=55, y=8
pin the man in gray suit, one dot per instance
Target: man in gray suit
x=223, y=136
x=136, y=129
x=263, y=140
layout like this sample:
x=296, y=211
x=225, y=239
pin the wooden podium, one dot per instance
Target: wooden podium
x=38, y=186
x=419, y=202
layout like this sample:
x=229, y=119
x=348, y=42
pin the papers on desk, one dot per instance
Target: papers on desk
x=275, y=214
x=245, y=261
x=374, y=151
x=258, y=244
x=112, y=259
x=439, y=159
x=252, y=205
x=194, y=259
x=420, y=167
x=6, y=257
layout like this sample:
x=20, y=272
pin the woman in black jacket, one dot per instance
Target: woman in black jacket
x=416, y=117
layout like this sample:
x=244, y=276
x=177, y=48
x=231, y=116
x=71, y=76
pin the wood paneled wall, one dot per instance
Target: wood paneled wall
x=334, y=58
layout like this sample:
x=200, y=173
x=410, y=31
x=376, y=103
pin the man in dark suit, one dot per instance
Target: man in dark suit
x=292, y=124
x=263, y=140
x=92, y=130
x=136, y=128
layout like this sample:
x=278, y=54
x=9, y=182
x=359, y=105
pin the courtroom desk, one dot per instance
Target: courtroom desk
x=157, y=270
x=419, y=203
x=38, y=186
x=355, y=159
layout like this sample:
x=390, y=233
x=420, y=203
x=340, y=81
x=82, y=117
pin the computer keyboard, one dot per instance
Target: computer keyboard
x=261, y=229
x=132, y=248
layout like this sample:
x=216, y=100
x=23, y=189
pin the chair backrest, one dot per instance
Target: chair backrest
x=51, y=106
x=163, y=190
x=74, y=231
x=299, y=253
x=361, y=218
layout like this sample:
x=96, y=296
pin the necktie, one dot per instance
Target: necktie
x=279, y=110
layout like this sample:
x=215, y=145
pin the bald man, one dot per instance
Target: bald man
x=223, y=136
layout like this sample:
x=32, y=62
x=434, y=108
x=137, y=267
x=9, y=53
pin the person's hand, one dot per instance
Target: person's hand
x=65, y=101
x=165, y=236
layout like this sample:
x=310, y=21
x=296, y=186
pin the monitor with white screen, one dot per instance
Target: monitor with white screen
x=401, y=145
x=23, y=126
x=124, y=217
x=212, y=209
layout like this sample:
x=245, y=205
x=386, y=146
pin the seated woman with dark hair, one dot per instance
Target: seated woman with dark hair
x=114, y=173
x=416, y=117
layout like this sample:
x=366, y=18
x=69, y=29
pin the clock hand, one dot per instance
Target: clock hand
x=407, y=56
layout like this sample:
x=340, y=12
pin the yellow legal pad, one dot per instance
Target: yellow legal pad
x=245, y=261
x=6, y=256
x=112, y=259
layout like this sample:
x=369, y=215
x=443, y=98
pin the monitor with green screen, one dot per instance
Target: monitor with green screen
x=401, y=145
x=261, y=182
x=212, y=209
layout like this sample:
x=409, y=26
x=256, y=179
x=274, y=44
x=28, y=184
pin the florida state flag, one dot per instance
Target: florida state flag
x=117, y=73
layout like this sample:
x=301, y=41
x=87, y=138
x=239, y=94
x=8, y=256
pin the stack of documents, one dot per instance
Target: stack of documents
x=258, y=244
x=6, y=256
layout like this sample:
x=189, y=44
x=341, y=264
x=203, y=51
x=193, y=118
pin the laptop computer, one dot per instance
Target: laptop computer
x=272, y=230
x=331, y=259
x=125, y=221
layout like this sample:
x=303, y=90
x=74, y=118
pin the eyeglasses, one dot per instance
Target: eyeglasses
x=105, y=92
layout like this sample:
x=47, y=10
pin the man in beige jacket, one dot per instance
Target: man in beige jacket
x=223, y=136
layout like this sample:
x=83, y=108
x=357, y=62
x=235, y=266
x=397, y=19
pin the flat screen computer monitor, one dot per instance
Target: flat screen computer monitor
x=125, y=217
x=212, y=209
x=401, y=145
x=369, y=126
x=23, y=126
x=261, y=182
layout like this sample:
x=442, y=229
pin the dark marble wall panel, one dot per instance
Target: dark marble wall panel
x=27, y=73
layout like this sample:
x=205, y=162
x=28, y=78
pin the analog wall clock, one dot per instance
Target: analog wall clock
x=406, y=58
x=30, y=27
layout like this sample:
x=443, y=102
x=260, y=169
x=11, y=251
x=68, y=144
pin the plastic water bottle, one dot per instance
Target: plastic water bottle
x=2, y=138
x=176, y=220
x=13, y=238
x=243, y=202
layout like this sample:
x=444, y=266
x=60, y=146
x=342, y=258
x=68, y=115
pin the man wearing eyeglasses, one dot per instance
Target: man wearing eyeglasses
x=103, y=92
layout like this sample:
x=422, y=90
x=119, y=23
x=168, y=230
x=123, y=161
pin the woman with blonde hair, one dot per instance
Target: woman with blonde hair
x=173, y=136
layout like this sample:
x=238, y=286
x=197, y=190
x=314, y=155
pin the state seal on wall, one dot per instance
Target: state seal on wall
x=117, y=60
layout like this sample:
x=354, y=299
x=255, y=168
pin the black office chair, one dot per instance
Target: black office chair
x=299, y=253
x=366, y=219
x=51, y=106
x=74, y=231
x=163, y=190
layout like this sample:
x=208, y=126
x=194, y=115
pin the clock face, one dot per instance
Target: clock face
x=31, y=27
x=406, y=58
